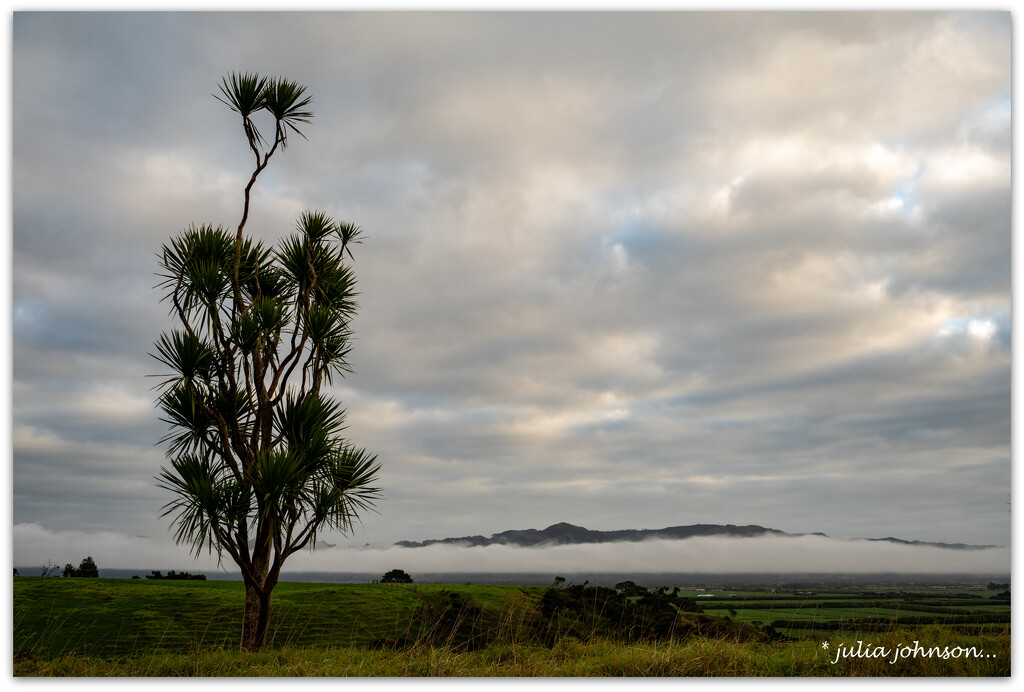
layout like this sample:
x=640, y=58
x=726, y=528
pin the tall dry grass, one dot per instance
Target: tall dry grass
x=695, y=657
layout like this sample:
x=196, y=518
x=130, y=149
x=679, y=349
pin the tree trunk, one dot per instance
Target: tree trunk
x=256, y=617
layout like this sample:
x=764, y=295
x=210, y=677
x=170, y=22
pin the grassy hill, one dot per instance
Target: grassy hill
x=126, y=627
x=116, y=617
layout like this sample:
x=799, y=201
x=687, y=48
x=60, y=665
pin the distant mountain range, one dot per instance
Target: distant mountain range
x=566, y=534
x=952, y=546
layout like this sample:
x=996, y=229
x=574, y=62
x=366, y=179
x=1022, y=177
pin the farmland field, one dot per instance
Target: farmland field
x=134, y=627
x=796, y=613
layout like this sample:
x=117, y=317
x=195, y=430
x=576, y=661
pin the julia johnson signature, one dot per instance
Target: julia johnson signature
x=895, y=654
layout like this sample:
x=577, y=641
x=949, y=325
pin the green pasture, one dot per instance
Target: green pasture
x=113, y=617
x=135, y=627
x=967, y=609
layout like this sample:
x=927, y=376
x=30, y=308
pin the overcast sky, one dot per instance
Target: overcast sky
x=624, y=270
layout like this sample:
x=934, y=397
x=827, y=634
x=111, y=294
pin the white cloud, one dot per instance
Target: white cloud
x=610, y=259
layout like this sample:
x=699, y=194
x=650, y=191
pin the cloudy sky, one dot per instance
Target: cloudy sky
x=624, y=270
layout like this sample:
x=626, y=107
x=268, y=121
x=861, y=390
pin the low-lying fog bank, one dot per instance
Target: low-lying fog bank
x=714, y=555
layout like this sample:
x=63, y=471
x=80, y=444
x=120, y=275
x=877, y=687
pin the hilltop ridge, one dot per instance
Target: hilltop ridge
x=564, y=533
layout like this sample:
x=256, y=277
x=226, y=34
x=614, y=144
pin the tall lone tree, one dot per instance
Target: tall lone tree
x=258, y=465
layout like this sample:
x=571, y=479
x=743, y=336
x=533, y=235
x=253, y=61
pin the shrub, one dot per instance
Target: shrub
x=87, y=568
x=396, y=576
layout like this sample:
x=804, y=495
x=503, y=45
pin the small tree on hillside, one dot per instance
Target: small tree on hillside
x=396, y=576
x=258, y=465
x=87, y=568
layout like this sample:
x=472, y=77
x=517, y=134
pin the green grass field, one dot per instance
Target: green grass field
x=965, y=610
x=124, y=627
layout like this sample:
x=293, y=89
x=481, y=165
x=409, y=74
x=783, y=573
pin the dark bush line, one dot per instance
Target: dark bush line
x=184, y=576
x=951, y=599
x=584, y=612
x=880, y=624
x=859, y=605
x=581, y=612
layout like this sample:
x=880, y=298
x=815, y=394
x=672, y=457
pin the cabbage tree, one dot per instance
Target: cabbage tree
x=258, y=465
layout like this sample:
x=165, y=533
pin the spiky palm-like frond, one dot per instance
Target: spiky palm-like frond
x=301, y=417
x=197, y=271
x=245, y=94
x=207, y=502
x=187, y=355
x=351, y=478
x=284, y=100
x=331, y=339
x=350, y=234
x=315, y=225
x=277, y=478
x=192, y=412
